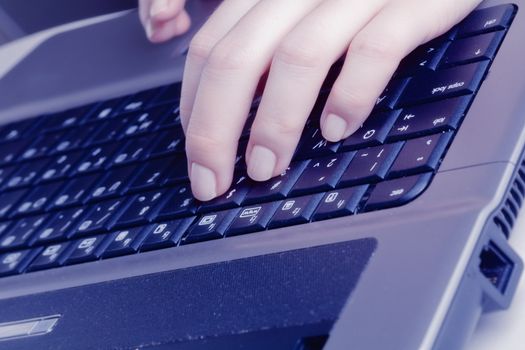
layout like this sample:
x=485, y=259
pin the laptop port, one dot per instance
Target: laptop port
x=496, y=266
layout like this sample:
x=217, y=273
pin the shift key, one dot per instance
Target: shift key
x=441, y=84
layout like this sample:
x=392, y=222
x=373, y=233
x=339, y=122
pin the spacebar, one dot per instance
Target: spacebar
x=442, y=84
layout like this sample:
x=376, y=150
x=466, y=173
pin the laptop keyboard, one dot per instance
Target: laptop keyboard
x=110, y=179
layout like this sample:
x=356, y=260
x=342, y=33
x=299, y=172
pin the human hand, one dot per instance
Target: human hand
x=297, y=41
x=163, y=19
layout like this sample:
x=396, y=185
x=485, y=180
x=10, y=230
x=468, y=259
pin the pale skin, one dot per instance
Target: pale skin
x=296, y=42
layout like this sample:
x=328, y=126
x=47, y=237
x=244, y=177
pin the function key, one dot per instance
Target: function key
x=124, y=242
x=252, y=218
x=165, y=234
x=421, y=155
x=15, y=262
x=429, y=118
x=138, y=101
x=105, y=110
x=340, y=202
x=397, y=192
x=49, y=257
x=295, y=211
x=486, y=20
x=442, y=84
x=85, y=249
x=478, y=48
x=14, y=131
x=64, y=120
x=210, y=226
x=373, y=132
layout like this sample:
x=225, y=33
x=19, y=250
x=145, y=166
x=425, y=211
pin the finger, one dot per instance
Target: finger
x=375, y=53
x=167, y=30
x=301, y=64
x=166, y=16
x=226, y=89
x=215, y=28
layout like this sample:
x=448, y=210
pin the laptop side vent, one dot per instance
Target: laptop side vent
x=507, y=215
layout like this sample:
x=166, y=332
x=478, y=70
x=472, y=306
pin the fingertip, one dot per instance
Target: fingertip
x=158, y=33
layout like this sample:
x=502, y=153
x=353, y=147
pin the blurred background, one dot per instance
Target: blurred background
x=21, y=17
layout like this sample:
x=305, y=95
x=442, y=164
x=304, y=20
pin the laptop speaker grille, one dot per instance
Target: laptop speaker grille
x=507, y=215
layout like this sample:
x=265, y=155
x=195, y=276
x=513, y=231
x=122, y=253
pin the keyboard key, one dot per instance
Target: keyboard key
x=124, y=242
x=59, y=227
x=105, y=110
x=10, y=151
x=177, y=170
x=138, y=101
x=141, y=207
x=100, y=217
x=171, y=141
x=15, y=262
x=22, y=230
x=278, y=187
x=85, y=249
x=165, y=234
x=313, y=144
x=423, y=58
x=6, y=172
x=478, y=48
x=232, y=198
x=74, y=192
x=65, y=120
x=172, y=117
x=8, y=200
x=97, y=158
x=60, y=166
x=142, y=122
x=41, y=146
x=295, y=211
x=27, y=174
x=150, y=176
x=389, y=97
x=252, y=218
x=132, y=151
x=113, y=183
x=323, y=173
x=486, y=20
x=17, y=130
x=49, y=257
x=452, y=82
x=397, y=192
x=421, y=155
x=340, y=202
x=106, y=131
x=429, y=118
x=373, y=132
x=38, y=198
x=210, y=226
x=169, y=95
x=370, y=165
x=180, y=203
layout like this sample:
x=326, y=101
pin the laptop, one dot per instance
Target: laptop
x=395, y=238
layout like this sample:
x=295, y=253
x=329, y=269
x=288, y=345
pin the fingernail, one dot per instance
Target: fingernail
x=262, y=163
x=203, y=182
x=149, y=29
x=157, y=7
x=334, y=128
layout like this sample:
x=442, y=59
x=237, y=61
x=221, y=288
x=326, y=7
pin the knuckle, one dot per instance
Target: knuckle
x=279, y=128
x=201, y=46
x=202, y=144
x=345, y=98
x=228, y=56
x=293, y=53
x=384, y=47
